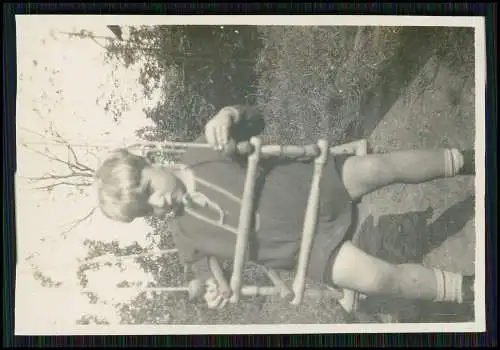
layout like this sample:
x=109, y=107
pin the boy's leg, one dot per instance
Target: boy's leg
x=356, y=270
x=364, y=174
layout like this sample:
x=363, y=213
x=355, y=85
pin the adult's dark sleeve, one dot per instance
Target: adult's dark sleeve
x=251, y=123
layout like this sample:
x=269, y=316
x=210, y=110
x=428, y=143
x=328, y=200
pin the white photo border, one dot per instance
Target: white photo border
x=478, y=23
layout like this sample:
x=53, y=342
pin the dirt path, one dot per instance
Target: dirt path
x=432, y=222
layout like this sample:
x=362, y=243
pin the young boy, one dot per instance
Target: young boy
x=203, y=200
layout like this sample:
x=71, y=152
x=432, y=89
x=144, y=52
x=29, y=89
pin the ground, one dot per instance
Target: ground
x=432, y=222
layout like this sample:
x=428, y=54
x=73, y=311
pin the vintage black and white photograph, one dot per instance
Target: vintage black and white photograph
x=249, y=174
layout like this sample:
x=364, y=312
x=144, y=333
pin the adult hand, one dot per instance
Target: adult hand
x=212, y=297
x=217, y=130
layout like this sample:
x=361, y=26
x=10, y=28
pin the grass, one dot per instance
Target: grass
x=310, y=88
x=399, y=87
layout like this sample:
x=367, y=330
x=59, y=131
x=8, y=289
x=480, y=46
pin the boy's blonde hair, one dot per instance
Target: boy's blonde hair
x=121, y=193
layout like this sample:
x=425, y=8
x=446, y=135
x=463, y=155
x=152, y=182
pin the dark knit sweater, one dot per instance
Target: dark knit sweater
x=282, y=191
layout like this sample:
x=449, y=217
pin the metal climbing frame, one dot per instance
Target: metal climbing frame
x=255, y=151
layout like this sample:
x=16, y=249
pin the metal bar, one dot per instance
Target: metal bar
x=309, y=229
x=247, y=290
x=350, y=300
x=285, y=292
x=252, y=291
x=246, y=148
x=245, y=220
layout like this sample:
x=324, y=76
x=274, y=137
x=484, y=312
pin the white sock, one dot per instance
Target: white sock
x=449, y=286
x=453, y=162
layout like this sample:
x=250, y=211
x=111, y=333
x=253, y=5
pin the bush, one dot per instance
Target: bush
x=312, y=79
x=198, y=68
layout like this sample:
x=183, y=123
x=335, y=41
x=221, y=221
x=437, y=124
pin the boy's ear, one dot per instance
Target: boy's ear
x=156, y=199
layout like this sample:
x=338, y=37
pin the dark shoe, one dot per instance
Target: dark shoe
x=469, y=167
x=468, y=289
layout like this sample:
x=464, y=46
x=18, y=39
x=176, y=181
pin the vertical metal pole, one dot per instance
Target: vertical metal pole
x=309, y=229
x=245, y=220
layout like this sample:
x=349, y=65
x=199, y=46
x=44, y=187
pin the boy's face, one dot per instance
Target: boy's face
x=165, y=190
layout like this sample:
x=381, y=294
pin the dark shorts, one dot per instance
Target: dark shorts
x=337, y=218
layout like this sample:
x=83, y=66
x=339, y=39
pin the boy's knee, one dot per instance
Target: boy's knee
x=363, y=174
x=354, y=269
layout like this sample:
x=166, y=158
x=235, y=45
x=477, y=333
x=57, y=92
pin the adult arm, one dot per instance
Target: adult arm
x=237, y=122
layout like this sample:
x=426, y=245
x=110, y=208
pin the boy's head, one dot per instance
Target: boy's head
x=128, y=186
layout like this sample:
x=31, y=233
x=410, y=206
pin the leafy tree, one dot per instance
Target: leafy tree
x=198, y=69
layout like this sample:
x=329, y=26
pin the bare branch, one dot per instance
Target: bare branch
x=77, y=163
x=88, y=35
x=93, y=155
x=59, y=177
x=63, y=183
x=73, y=167
x=76, y=175
x=58, y=139
x=98, y=43
x=34, y=132
x=78, y=222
